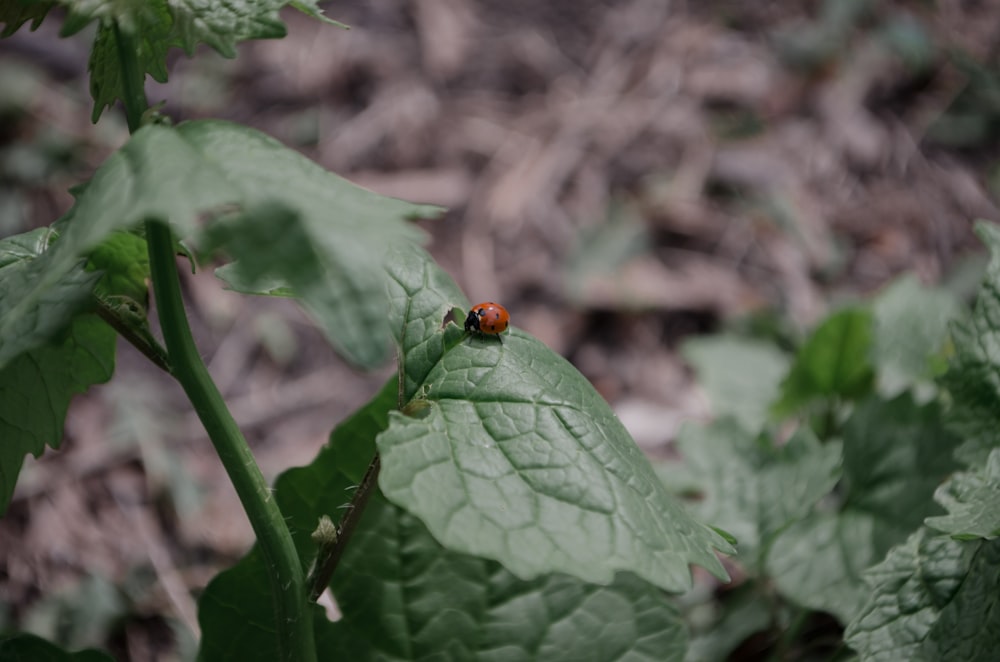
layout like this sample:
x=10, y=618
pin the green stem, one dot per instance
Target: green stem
x=332, y=547
x=140, y=338
x=293, y=619
x=133, y=79
x=295, y=633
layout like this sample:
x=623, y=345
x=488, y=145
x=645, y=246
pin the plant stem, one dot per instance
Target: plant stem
x=293, y=620
x=140, y=339
x=329, y=554
x=133, y=79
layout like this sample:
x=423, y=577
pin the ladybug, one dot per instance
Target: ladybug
x=489, y=319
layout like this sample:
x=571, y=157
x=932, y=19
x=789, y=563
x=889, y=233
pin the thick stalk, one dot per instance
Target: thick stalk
x=292, y=616
x=294, y=625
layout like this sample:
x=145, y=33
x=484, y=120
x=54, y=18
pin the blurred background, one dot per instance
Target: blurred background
x=620, y=175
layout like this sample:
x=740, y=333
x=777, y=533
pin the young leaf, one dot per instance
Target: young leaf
x=15, y=647
x=972, y=500
x=911, y=325
x=740, y=376
x=972, y=376
x=753, y=489
x=123, y=263
x=933, y=598
x=832, y=363
x=518, y=459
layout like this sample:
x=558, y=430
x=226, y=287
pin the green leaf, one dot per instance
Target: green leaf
x=972, y=375
x=933, y=598
x=203, y=169
x=405, y=598
x=911, y=326
x=39, y=292
x=744, y=612
x=895, y=454
x=751, y=487
x=832, y=363
x=15, y=13
x=22, y=647
x=817, y=562
x=148, y=23
x=236, y=614
x=518, y=459
x=155, y=26
x=740, y=376
x=123, y=263
x=238, y=599
x=36, y=387
x=972, y=500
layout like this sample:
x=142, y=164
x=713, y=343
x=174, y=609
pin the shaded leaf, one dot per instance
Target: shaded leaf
x=22, y=647
x=123, y=263
x=972, y=500
x=895, y=454
x=39, y=292
x=752, y=488
x=36, y=387
x=517, y=457
x=740, y=376
x=972, y=375
x=933, y=598
x=15, y=13
x=203, y=169
x=817, y=562
x=406, y=598
x=911, y=325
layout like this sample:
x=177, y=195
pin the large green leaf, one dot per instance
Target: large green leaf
x=972, y=377
x=752, y=488
x=403, y=597
x=21, y=647
x=972, y=499
x=933, y=598
x=911, y=325
x=741, y=376
x=895, y=454
x=406, y=598
x=517, y=458
x=833, y=363
x=202, y=169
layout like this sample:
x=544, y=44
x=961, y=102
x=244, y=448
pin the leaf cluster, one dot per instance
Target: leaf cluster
x=892, y=407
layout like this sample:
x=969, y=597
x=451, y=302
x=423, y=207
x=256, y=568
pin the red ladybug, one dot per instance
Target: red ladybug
x=489, y=319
